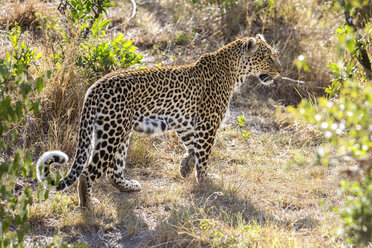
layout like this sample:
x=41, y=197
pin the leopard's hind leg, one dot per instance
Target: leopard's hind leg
x=107, y=140
x=115, y=172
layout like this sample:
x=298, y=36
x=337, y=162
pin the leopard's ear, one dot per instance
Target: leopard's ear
x=261, y=37
x=251, y=45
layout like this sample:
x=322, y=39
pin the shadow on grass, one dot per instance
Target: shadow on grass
x=215, y=208
x=190, y=223
x=109, y=225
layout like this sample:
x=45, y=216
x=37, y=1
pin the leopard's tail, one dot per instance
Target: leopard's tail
x=82, y=153
x=42, y=165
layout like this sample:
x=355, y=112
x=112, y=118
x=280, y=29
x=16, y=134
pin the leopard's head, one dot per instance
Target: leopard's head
x=260, y=59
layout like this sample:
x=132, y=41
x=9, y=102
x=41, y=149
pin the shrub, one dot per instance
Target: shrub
x=347, y=127
x=84, y=13
x=182, y=39
x=106, y=55
x=346, y=122
x=357, y=212
x=18, y=99
x=15, y=102
x=95, y=54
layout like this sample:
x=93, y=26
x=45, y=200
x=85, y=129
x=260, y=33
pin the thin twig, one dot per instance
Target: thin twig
x=293, y=80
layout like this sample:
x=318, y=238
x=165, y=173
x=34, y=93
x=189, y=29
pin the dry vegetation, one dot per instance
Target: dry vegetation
x=269, y=195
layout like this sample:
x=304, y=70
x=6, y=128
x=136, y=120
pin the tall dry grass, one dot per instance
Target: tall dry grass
x=294, y=27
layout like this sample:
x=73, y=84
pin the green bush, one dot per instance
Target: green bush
x=347, y=127
x=341, y=73
x=106, y=55
x=357, y=212
x=83, y=13
x=18, y=99
x=347, y=41
x=182, y=39
x=95, y=53
x=346, y=122
x=15, y=102
x=241, y=123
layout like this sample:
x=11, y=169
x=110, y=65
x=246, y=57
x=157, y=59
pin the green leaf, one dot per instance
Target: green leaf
x=19, y=109
x=5, y=225
x=49, y=74
x=39, y=55
x=20, y=235
x=17, y=220
x=38, y=84
x=2, y=212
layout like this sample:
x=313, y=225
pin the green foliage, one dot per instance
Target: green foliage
x=21, y=56
x=301, y=63
x=341, y=73
x=107, y=56
x=17, y=99
x=88, y=9
x=15, y=103
x=346, y=123
x=349, y=41
x=14, y=86
x=357, y=213
x=241, y=119
x=57, y=242
x=265, y=5
x=182, y=39
x=245, y=134
x=347, y=127
x=219, y=239
x=95, y=54
x=206, y=224
x=83, y=13
x=346, y=40
x=98, y=28
x=361, y=9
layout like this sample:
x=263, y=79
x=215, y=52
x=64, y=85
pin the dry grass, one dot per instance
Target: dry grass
x=271, y=193
x=23, y=14
x=264, y=199
x=294, y=31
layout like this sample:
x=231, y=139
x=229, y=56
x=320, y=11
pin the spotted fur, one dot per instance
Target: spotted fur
x=190, y=99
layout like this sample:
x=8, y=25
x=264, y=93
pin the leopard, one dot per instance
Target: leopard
x=190, y=99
